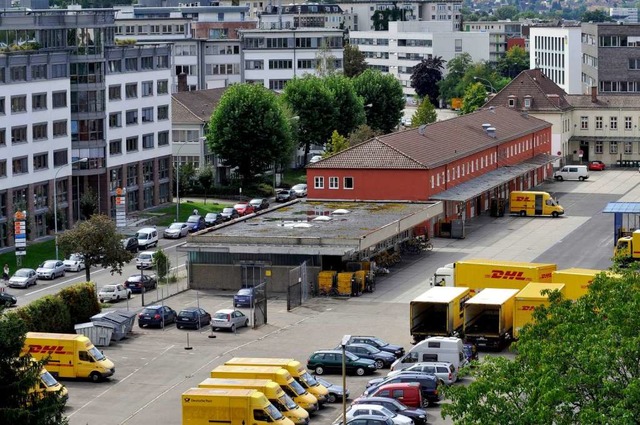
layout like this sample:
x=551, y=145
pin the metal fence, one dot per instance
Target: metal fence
x=259, y=312
x=299, y=289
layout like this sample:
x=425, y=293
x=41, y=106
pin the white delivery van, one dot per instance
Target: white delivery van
x=147, y=237
x=434, y=349
x=572, y=172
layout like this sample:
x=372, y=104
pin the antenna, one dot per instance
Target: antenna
x=422, y=129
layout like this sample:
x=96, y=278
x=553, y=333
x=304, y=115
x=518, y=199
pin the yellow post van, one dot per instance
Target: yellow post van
x=534, y=203
x=277, y=374
x=71, y=356
x=205, y=406
x=270, y=389
x=528, y=300
x=294, y=367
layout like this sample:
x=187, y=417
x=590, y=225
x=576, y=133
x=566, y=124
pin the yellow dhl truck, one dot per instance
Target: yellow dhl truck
x=576, y=281
x=205, y=406
x=477, y=274
x=534, y=204
x=294, y=367
x=488, y=317
x=627, y=248
x=276, y=374
x=270, y=389
x=437, y=312
x=528, y=300
x=69, y=355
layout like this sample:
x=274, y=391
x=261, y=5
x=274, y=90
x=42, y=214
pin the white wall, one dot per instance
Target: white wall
x=561, y=63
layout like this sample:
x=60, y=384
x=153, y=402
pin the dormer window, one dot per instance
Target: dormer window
x=512, y=101
x=527, y=101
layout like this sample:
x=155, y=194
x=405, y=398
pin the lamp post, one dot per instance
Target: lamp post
x=343, y=343
x=55, y=199
x=178, y=177
x=493, y=90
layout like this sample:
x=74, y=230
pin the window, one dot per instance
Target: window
x=115, y=120
x=613, y=147
x=38, y=72
x=584, y=123
x=131, y=90
x=60, y=158
x=146, y=62
x=3, y=171
x=348, y=183
x=163, y=138
x=18, y=73
x=59, y=70
x=147, y=141
x=163, y=112
x=3, y=137
x=39, y=101
x=115, y=66
x=147, y=170
x=132, y=117
x=162, y=62
x=147, y=114
x=147, y=88
x=132, y=173
x=599, y=148
x=613, y=123
x=598, y=123
x=527, y=102
x=627, y=123
x=60, y=128
x=115, y=92
x=333, y=183
x=39, y=131
x=20, y=165
x=318, y=183
x=131, y=64
x=163, y=168
x=628, y=148
x=40, y=161
x=2, y=110
x=115, y=147
x=59, y=99
x=18, y=104
x=280, y=64
x=18, y=135
x=163, y=87
x=132, y=144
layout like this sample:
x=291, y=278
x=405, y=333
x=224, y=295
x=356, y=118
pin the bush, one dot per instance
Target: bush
x=264, y=190
x=82, y=301
x=47, y=314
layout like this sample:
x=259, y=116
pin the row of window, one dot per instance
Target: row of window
x=146, y=116
x=599, y=123
x=619, y=86
x=132, y=144
x=131, y=89
x=144, y=63
x=334, y=182
x=39, y=102
x=149, y=29
x=39, y=161
x=291, y=42
x=39, y=131
x=116, y=180
x=627, y=147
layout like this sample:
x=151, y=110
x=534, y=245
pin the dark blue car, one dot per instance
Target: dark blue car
x=243, y=298
x=195, y=223
x=157, y=315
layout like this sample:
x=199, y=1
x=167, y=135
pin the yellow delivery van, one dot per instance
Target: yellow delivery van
x=71, y=356
x=294, y=367
x=276, y=374
x=534, y=203
x=576, y=281
x=528, y=300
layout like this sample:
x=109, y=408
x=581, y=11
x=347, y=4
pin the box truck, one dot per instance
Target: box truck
x=534, y=204
x=69, y=356
x=294, y=367
x=477, y=274
x=437, y=312
x=528, y=300
x=576, y=281
x=270, y=389
x=204, y=406
x=277, y=374
x=488, y=317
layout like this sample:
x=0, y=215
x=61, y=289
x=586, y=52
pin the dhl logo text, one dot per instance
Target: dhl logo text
x=47, y=349
x=507, y=274
x=523, y=199
x=527, y=308
x=545, y=276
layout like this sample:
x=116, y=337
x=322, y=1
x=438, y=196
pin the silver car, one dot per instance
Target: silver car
x=50, y=269
x=444, y=371
x=23, y=278
x=229, y=319
x=300, y=190
x=176, y=230
x=74, y=263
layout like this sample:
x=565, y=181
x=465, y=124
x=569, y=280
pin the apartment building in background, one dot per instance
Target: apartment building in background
x=500, y=32
x=557, y=52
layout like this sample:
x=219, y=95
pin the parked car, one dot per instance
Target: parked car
x=23, y=278
x=418, y=416
x=176, y=231
x=366, y=351
x=147, y=237
x=286, y=195
x=300, y=189
x=444, y=371
x=229, y=214
x=377, y=410
x=428, y=385
x=596, y=166
x=192, y=317
x=138, y=281
x=213, y=219
x=336, y=392
x=229, y=319
x=380, y=344
x=315, y=159
x=50, y=269
x=330, y=361
x=144, y=260
x=114, y=293
x=7, y=300
x=408, y=393
x=156, y=315
x=243, y=298
x=130, y=244
x=244, y=208
x=196, y=223
x=259, y=204
x=74, y=263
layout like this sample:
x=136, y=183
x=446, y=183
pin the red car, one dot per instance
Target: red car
x=244, y=208
x=596, y=166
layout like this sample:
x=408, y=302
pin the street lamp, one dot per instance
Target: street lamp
x=55, y=198
x=493, y=90
x=343, y=343
x=178, y=177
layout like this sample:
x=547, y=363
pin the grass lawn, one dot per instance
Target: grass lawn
x=36, y=254
x=167, y=215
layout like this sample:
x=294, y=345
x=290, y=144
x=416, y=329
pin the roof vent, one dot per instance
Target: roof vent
x=322, y=218
x=485, y=126
x=491, y=132
x=340, y=211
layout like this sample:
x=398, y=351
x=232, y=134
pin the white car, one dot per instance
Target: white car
x=113, y=293
x=377, y=410
x=176, y=231
x=315, y=159
x=145, y=260
x=74, y=263
x=300, y=190
x=50, y=269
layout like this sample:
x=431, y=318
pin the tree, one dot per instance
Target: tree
x=313, y=102
x=187, y=174
x=354, y=63
x=88, y=203
x=426, y=76
x=161, y=264
x=19, y=375
x=425, y=114
x=474, y=97
x=205, y=178
x=362, y=134
x=451, y=87
x=349, y=106
x=514, y=62
x=325, y=61
x=336, y=144
x=506, y=12
x=384, y=93
x=249, y=129
x=598, y=15
x=97, y=240
x=577, y=363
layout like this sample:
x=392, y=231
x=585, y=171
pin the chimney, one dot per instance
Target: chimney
x=182, y=82
x=491, y=132
x=486, y=126
x=594, y=94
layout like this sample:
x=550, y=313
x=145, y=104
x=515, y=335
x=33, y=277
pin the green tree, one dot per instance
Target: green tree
x=384, y=93
x=313, y=102
x=350, y=106
x=161, y=264
x=187, y=174
x=425, y=114
x=598, y=15
x=99, y=242
x=18, y=377
x=362, y=134
x=336, y=144
x=451, y=86
x=88, y=203
x=578, y=363
x=249, y=129
x=354, y=63
x=426, y=76
x=206, y=178
x=514, y=62
x=506, y=12
x=474, y=97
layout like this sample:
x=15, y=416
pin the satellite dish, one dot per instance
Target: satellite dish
x=422, y=129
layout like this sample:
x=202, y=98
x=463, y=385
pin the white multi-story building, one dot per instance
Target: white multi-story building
x=406, y=44
x=499, y=34
x=303, y=15
x=557, y=51
x=624, y=14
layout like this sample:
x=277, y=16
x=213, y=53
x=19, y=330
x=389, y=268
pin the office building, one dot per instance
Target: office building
x=556, y=51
